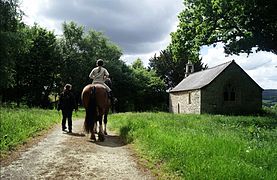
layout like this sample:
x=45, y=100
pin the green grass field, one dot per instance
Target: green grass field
x=17, y=125
x=203, y=146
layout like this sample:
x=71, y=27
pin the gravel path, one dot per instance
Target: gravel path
x=74, y=156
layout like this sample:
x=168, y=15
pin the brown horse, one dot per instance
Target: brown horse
x=96, y=102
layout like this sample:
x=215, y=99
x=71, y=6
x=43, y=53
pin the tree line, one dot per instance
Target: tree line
x=36, y=63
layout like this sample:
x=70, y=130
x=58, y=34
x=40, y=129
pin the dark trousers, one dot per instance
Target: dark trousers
x=67, y=115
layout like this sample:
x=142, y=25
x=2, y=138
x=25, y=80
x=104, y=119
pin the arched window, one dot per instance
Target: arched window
x=233, y=94
x=229, y=92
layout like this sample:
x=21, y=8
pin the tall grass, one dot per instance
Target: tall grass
x=203, y=146
x=17, y=125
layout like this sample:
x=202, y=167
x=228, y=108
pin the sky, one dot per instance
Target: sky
x=141, y=28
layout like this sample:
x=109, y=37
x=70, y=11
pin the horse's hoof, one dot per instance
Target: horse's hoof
x=101, y=137
x=93, y=138
x=105, y=133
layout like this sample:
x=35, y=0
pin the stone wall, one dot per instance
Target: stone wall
x=248, y=95
x=179, y=102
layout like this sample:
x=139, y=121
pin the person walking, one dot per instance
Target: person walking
x=67, y=104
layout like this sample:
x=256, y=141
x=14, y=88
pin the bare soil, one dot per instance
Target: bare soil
x=60, y=155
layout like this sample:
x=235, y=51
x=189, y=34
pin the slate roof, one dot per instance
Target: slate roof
x=200, y=79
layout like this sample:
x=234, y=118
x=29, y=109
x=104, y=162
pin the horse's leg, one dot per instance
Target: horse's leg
x=100, y=123
x=95, y=127
x=105, y=123
x=92, y=136
x=101, y=133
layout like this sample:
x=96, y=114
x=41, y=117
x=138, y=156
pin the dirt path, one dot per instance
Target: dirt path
x=74, y=156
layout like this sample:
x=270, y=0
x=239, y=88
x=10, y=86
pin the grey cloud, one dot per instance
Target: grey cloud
x=134, y=25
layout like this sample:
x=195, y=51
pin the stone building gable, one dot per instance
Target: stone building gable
x=233, y=92
x=200, y=79
x=225, y=88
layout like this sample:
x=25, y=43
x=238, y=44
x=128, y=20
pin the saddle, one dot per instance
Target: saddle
x=93, y=91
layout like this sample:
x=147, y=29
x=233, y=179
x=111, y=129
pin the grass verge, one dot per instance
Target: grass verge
x=203, y=146
x=19, y=124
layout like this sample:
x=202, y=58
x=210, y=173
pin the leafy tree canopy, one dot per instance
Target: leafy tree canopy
x=171, y=71
x=240, y=25
x=37, y=67
x=80, y=50
x=150, y=92
x=10, y=40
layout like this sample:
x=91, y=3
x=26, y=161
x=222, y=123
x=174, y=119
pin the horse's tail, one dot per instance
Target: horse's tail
x=88, y=97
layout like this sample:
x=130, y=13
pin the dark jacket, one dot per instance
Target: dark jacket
x=67, y=101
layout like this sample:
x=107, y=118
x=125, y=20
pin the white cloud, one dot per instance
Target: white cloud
x=260, y=66
x=129, y=59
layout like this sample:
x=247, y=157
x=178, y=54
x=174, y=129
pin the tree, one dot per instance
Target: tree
x=124, y=88
x=71, y=70
x=80, y=52
x=171, y=71
x=150, y=92
x=240, y=25
x=10, y=17
x=37, y=69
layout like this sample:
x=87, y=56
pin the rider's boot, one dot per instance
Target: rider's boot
x=110, y=95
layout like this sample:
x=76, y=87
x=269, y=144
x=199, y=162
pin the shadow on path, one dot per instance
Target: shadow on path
x=75, y=134
x=110, y=141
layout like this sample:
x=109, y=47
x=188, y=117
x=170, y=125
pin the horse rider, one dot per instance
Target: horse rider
x=99, y=75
